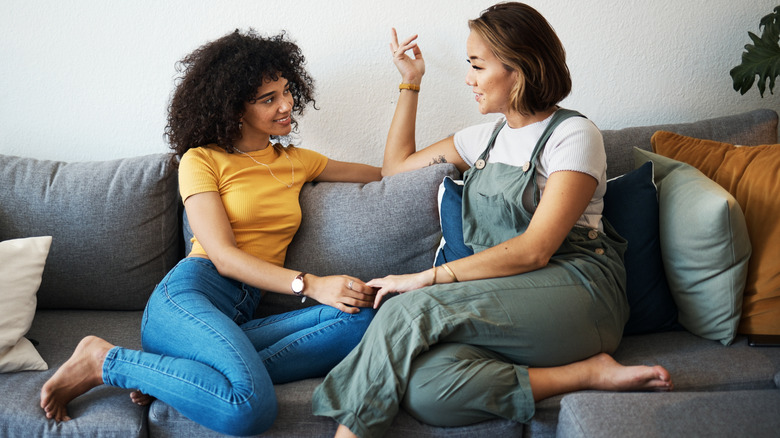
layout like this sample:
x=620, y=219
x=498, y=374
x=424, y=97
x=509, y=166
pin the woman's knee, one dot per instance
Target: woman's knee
x=251, y=407
x=253, y=417
x=449, y=384
x=262, y=416
x=433, y=394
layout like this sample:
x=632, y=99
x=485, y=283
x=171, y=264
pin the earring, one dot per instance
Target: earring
x=240, y=125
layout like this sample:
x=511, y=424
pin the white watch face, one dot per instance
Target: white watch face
x=297, y=285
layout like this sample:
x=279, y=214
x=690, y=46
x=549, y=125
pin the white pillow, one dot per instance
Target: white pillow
x=21, y=269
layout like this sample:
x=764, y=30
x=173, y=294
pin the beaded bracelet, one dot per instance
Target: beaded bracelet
x=411, y=87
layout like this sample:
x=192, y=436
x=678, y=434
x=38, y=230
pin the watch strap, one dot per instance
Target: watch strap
x=299, y=293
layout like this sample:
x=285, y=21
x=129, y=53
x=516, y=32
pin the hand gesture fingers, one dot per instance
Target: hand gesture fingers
x=400, y=49
x=412, y=69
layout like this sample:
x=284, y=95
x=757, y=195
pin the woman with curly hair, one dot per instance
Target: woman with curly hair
x=203, y=354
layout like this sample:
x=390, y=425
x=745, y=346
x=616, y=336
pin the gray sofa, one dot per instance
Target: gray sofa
x=117, y=228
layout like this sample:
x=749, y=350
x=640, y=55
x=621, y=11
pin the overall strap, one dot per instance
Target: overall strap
x=559, y=116
x=486, y=153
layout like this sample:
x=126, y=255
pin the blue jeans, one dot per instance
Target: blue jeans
x=205, y=356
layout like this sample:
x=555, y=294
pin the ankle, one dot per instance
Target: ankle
x=597, y=371
x=96, y=350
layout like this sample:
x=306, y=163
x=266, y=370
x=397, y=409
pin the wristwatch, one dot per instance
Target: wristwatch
x=297, y=286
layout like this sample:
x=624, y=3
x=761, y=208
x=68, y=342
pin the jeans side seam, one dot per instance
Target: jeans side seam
x=227, y=342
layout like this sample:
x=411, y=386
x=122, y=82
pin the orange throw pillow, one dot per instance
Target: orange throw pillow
x=752, y=176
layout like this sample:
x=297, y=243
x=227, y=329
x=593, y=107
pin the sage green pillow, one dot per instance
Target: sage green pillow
x=704, y=245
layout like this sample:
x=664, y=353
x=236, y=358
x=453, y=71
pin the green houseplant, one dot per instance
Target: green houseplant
x=762, y=58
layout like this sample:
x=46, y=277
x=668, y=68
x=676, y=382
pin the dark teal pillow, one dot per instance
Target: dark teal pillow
x=631, y=206
x=450, y=216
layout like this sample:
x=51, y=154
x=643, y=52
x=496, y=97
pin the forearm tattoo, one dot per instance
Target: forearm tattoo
x=438, y=160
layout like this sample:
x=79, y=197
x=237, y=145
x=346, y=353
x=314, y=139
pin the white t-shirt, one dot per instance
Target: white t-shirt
x=576, y=145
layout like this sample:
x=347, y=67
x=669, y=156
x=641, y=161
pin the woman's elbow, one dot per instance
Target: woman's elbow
x=521, y=265
x=221, y=264
x=537, y=261
x=389, y=170
x=542, y=262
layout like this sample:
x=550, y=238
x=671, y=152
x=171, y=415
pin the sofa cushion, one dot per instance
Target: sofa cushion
x=682, y=414
x=295, y=419
x=754, y=127
x=21, y=267
x=631, y=207
x=115, y=226
x=698, y=364
x=365, y=230
x=705, y=247
x=103, y=411
x=750, y=174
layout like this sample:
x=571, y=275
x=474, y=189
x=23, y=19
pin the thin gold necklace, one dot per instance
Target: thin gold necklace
x=292, y=168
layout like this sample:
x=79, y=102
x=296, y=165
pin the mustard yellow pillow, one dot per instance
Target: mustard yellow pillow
x=752, y=176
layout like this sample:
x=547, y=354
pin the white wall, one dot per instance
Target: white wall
x=90, y=79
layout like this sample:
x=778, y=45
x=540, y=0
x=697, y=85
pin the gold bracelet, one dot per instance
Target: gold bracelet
x=412, y=87
x=434, y=276
x=449, y=271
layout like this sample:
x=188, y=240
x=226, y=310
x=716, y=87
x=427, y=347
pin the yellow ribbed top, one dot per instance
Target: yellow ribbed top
x=264, y=213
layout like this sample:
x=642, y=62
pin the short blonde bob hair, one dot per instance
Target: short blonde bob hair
x=525, y=42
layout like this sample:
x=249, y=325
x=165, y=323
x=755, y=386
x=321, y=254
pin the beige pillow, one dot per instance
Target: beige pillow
x=21, y=268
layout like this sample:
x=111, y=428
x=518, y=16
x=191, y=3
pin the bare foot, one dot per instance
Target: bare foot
x=344, y=432
x=82, y=372
x=600, y=372
x=140, y=398
x=608, y=375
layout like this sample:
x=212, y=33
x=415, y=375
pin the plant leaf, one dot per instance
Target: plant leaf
x=762, y=58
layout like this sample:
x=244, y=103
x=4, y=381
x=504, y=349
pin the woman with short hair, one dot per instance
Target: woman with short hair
x=540, y=303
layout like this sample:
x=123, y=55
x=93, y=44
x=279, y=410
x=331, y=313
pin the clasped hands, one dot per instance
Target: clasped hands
x=348, y=293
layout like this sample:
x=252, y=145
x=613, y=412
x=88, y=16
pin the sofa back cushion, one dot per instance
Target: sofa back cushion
x=751, y=128
x=370, y=230
x=115, y=226
x=366, y=230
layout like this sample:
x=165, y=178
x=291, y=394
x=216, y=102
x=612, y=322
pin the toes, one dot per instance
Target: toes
x=140, y=398
x=58, y=415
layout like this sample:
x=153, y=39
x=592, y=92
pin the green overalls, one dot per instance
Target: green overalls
x=458, y=353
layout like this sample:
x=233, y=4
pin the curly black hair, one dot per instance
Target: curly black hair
x=219, y=77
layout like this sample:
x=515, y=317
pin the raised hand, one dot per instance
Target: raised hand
x=411, y=68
